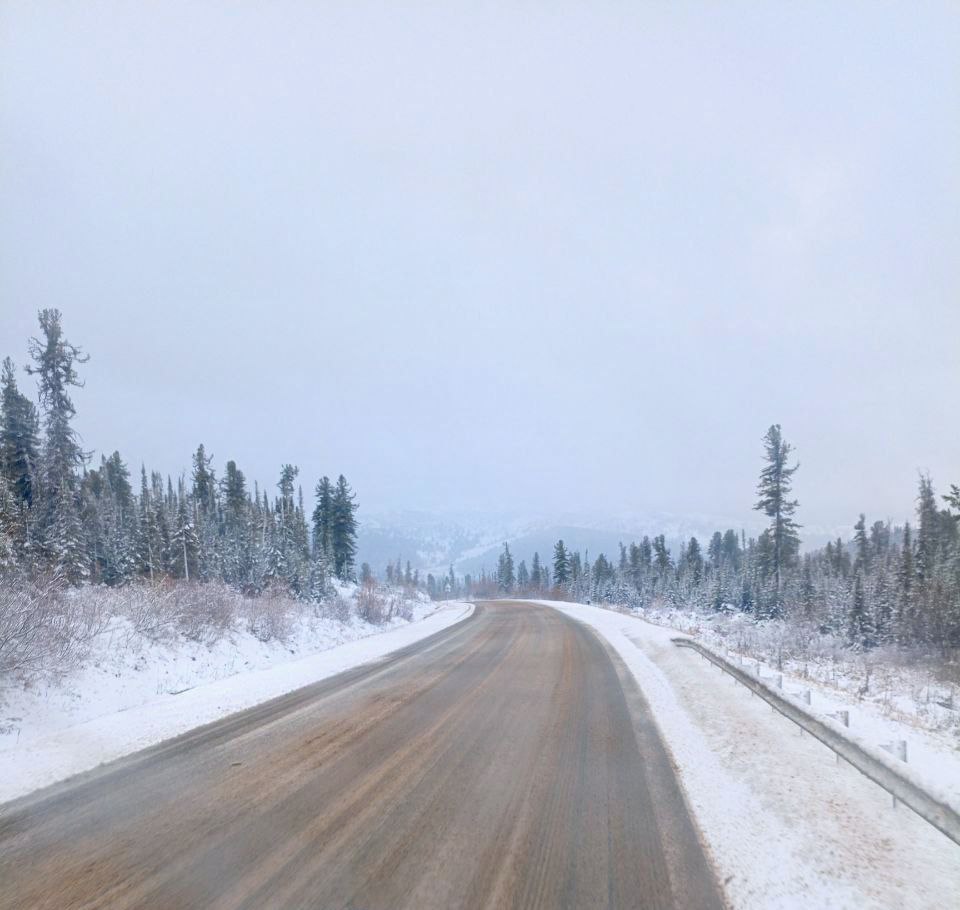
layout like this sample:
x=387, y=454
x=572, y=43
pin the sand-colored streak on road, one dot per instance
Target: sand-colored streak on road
x=507, y=762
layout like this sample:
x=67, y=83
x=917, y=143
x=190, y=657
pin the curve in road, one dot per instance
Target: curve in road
x=510, y=761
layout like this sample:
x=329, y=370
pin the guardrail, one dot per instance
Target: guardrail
x=901, y=788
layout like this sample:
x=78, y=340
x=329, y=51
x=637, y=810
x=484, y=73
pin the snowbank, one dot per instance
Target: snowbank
x=787, y=827
x=907, y=689
x=127, y=698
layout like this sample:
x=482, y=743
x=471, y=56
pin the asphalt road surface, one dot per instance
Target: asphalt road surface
x=509, y=761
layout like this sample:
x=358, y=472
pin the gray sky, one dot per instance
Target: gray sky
x=533, y=257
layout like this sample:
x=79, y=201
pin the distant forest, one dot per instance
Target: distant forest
x=891, y=586
x=63, y=518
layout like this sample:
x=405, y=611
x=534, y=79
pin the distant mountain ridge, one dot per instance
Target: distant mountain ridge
x=472, y=541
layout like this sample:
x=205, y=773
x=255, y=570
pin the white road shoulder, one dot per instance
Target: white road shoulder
x=787, y=827
x=34, y=761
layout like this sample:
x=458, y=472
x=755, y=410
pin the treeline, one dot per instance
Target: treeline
x=884, y=586
x=59, y=516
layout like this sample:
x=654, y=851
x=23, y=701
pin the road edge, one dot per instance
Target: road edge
x=139, y=754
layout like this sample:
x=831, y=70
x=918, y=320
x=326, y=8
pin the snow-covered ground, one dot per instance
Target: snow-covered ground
x=787, y=826
x=933, y=760
x=133, y=693
x=896, y=704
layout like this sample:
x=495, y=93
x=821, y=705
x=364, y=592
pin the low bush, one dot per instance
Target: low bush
x=46, y=627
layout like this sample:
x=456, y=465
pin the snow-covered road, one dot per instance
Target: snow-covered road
x=787, y=826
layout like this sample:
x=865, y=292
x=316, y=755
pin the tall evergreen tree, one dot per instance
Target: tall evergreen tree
x=323, y=518
x=204, y=483
x=343, y=531
x=661, y=557
x=715, y=551
x=731, y=549
x=694, y=560
x=19, y=467
x=506, y=578
x=904, y=616
x=54, y=363
x=536, y=573
x=929, y=530
x=561, y=565
x=19, y=431
x=862, y=543
x=859, y=631
x=8, y=513
x=776, y=481
x=523, y=576
x=185, y=542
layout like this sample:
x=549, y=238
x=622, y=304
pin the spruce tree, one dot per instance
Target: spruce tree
x=634, y=567
x=859, y=630
x=523, y=576
x=323, y=518
x=343, y=529
x=576, y=567
x=661, y=557
x=694, y=560
x=645, y=554
x=715, y=551
x=204, y=483
x=19, y=430
x=318, y=587
x=287, y=524
x=904, y=613
x=929, y=529
x=862, y=544
x=506, y=577
x=732, y=551
x=65, y=540
x=19, y=466
x=185, y=541
x=8, y=513
x=54, y=363
x=776, y=480
x=561, y=565
x=536, y=573
x=880, y=539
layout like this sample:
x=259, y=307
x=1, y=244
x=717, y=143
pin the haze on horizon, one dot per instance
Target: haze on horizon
x=539, y=259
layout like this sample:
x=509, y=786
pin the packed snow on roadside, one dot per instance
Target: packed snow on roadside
x=787, y=826
x=886, y=703
x=132, y=692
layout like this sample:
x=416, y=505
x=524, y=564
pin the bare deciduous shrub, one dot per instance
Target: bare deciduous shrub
x=161, y=611
x=148, y=607
x=371, y=605
x=45, y=628
x=270, y=616
x=205, y=612
x=400, y=606
x=338, y=608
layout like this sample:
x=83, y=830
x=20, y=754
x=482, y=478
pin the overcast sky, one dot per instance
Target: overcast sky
x=533, y=257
